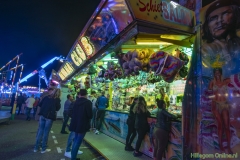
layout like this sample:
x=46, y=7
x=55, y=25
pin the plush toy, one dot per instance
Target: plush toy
x=183, y=56
x=135, y=61
x=113, y=71
x=165, y=65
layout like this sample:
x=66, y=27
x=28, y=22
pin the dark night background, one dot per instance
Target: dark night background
x=41, y=30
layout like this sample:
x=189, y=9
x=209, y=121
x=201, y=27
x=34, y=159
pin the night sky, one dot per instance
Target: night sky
x=41, y=30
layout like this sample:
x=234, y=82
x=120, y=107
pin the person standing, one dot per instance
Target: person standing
x=65, y=113
x=12, y=101
x=20, y=101
x=131, y=129
x=29, y=104
x=161, y=130
x=101, y=105
x=71, y=136
x=94, y=109
x=49, y=106
x=80, y=122
x=141, y=123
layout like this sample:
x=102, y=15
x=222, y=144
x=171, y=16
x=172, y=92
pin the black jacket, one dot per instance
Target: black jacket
x=131, y=115
x=20, y=100
x=81, y=115
x=141, y=120
x=49, y=107
x=163, y=120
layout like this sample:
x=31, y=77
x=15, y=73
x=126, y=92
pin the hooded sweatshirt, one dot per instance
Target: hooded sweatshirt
x=81, y=115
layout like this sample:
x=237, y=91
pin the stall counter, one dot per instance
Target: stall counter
x=114, y=125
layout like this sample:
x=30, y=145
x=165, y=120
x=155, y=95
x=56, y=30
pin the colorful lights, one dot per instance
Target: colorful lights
x=78, y=56
x=88, y=47
x=66, y=70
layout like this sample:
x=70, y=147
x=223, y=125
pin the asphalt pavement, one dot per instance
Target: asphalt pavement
x=18, y=137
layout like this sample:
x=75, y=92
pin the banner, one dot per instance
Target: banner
x=165, y=13
x=215, y=122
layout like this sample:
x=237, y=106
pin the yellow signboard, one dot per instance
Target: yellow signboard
x=65, y=71
x=165, y=13
x=78, y=56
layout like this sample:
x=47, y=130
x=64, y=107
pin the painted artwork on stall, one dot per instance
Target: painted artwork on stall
x=116, y=127
x=111, y=20
x=218, y=116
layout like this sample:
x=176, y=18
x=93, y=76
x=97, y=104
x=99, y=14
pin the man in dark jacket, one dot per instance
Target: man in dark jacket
x=80, y=122
x=20, y=101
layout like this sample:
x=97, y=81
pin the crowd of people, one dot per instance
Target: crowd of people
x=138, y=125
x=86, y=112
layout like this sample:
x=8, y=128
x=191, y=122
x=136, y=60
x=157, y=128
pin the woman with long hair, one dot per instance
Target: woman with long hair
x=49, y=107
x=141, y=122
x=161, y=130
x=220, y=107
x=131, y=129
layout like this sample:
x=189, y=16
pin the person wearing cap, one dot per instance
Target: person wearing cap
x=80, y=122
x=222, y=20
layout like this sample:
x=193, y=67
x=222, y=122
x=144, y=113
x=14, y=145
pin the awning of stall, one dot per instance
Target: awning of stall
x=128, y=22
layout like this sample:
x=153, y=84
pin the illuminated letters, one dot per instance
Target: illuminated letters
x=87, y=46
x=65, y=71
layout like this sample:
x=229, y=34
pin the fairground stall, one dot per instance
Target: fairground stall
x=130, y=48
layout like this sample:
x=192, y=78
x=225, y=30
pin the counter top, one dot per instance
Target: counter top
x=152, y=115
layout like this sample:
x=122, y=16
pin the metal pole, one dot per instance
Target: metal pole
x=39, y=84
x=11, y=61
x=15, y=102
x=15, y=67
x=15, y=73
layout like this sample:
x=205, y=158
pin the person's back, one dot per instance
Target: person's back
x=102, y=102
x=81, y=115
x=29, y=102
x=163, y=119
x=49, y=104
x=80, y=122
x=20, y=99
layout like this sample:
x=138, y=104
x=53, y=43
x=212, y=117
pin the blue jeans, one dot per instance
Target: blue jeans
x=93, y=120
x=65, y=121
x=70, y=140
x=76, y=144
x=43, y=131
x=28, y=111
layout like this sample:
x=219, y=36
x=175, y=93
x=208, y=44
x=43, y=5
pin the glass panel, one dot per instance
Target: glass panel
x=113, y=18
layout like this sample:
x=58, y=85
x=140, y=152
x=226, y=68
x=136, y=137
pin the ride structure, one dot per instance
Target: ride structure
x=41, y=72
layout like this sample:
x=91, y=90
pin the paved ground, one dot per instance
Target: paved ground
x=17, y=141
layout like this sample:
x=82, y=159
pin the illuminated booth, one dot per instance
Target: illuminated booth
x=160, y=34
